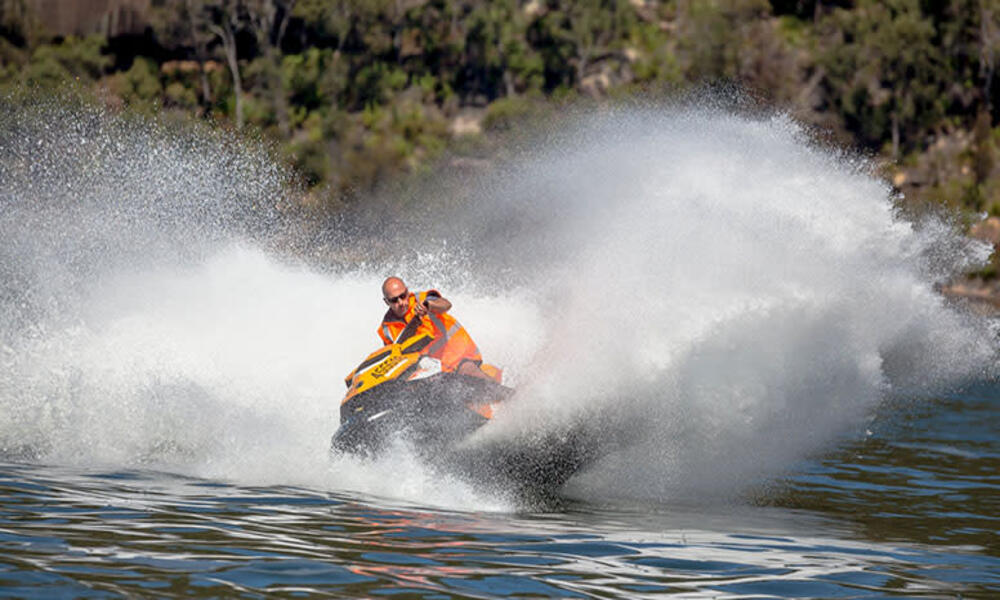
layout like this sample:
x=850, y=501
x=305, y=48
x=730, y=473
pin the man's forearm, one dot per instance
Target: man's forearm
x=437, y=305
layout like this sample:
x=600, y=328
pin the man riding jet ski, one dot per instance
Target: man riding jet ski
x=428, y=383
x=452, y=345
x=429, y=386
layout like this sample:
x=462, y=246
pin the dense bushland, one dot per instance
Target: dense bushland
x=358, y=91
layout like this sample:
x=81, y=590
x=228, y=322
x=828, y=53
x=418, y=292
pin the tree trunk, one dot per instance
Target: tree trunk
x=229, y=45
x=280, y=101
x=206, y=87
x=895, y=135
x=508, y=81
x=201, y=53
x=583, y=59
x=583, y=38
x=988, y=38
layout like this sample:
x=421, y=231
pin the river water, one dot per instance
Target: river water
x=745, y=323
x=910, y=511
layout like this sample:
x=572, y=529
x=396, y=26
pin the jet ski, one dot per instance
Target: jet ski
x=400, y=393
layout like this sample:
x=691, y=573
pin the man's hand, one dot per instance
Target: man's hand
x=421, y=309
x=434, y=304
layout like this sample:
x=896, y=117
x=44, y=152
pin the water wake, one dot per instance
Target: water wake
x=714, y=294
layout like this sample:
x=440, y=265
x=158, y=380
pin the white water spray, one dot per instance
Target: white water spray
x=725, y=297
x=715, y=294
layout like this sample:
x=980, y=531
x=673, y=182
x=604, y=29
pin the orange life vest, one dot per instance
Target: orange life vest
x=452, y=343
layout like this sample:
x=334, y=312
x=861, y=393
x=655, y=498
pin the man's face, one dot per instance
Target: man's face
x=395, y=295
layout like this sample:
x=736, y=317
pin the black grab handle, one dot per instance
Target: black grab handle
x=409, y=330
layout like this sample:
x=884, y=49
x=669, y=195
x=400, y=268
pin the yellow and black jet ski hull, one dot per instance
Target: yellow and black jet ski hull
x=432, y=413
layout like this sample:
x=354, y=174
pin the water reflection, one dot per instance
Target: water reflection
x=928, y=474
x=912, y=510
x=76, y=534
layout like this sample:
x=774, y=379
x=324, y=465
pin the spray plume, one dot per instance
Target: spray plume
x=713, y=294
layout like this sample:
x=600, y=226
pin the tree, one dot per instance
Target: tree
x=715, y=36
x=494, y=32
x=328, y=19
x=224, y=20
x=585, y=32
x=268, y=19
x=884, y=71
x=19, y=25
x=200, y=43
x=969, y=42
x=184, y=23
x=200, y=22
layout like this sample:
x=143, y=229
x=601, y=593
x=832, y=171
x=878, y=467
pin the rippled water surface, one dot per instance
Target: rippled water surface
x=910, y=511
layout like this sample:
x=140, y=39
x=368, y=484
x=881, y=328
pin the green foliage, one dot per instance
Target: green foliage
x=140, y=86
x=375, y=84
x=713, y=35
x=656, y=61
x=504, y=114
x=360, y=90
x=258, y=110
x=885, y=74
x=308, y=151
x=180, y=96
x=316, y=78
x=53, y=64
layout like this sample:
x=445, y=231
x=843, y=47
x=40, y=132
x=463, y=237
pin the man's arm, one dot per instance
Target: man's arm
x=434, y=303
x=437, y=304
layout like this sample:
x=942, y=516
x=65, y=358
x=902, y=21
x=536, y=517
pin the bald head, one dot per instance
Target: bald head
x=395, y=295
x=392, y=287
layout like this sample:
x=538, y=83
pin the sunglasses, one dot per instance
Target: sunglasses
x=398, y=298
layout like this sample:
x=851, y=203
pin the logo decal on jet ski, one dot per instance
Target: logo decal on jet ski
x=386, y=366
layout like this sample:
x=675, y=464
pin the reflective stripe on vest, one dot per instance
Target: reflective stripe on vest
x=441, y=341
